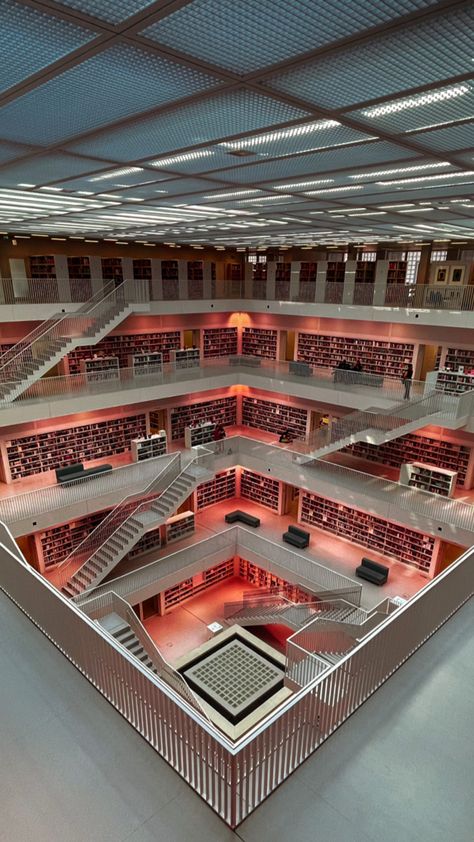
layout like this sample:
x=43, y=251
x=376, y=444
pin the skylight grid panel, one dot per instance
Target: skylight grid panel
x=415, y=55
x=46, y=168
x=318, y=162
x=422, y=110
x=307, y=137
x=117, y=83
x=30, y=40
x=112, y=11
x=449, y=138
x=10, y=151
x=215, y=158
x=206, y=120
x=268, y=31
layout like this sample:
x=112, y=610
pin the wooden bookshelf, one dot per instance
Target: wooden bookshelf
x=143, y=365
x=274, y=417
x=369, y=531
x=149, y=447
x=219, y=410
x=170, y=279
x=99, y=369
x=377, y=356
x=41, y=452
x=365, y=272
x=397, y=271
x=413, y=448
x=221, y=487
x=428, y=478
x=148, y=542
x=141, y=270
x=219, y=341
x=262, y=490
x=282, y=281
x=196, y=584
x=125, y=346
x=80, y=282
x=179, y=526
x=459, y=358
x=260, y=342
x=233, y=272
x=42, y=267
x=55, y=544
x=264, y=579
x=112, y=269
x=307, y=281
x=195, y=279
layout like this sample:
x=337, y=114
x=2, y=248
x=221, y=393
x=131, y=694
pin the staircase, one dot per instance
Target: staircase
x=377, y=426
x=128, y=639
x=44, y=347
x=118, y=533
x=266, y=610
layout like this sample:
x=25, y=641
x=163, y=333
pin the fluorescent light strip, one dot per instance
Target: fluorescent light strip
x=344, y=189
x=419, y=168
x=282, y=134
x=302, y=184
x=427, y=178
x=181, y=159
x=232, y=195
x=417, y=101
x=116, y=173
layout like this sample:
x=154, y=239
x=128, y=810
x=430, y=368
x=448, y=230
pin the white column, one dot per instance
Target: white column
x=271, y=272
x=248, y=278
x=295, y=280
x=156, y=282
x=183, y=279
x=62, y=276
x=349, y=282
x=97, y=282
x=127, y=268
x=207, y=283
x=380, y=287
x=321, y=272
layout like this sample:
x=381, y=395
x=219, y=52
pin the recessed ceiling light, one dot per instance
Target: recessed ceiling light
x=181, y=159
x=343, y=189
x=296, y=185
x=232, y=195
x=418, y=168
x=26, y=185
x=427, y=178
x=116, y=173
x=53, y=189
x=280, y=134
x=417, y=101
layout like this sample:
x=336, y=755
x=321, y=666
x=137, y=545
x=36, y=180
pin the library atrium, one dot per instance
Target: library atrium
x=236, y=420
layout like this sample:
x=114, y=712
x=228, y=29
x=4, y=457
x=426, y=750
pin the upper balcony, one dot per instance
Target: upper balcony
x=447, y=305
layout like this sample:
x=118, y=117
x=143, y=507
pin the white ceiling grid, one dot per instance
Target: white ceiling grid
x=237, y=121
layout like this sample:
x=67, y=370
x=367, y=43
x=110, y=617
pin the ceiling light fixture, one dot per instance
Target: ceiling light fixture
x=182, y=159
x=417, y=101
x=281, y=134
x=397, y=170
x=343, y=189
x=426, y=178
x=116, y=173
x=297, y=184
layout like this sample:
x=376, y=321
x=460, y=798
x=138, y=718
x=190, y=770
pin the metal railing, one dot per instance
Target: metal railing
x=123, y=511
x=234, y=778
x=61, y=331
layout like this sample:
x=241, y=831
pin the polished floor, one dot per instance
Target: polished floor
x=72, y=770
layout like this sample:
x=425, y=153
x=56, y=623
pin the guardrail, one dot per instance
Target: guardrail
x=234, y=778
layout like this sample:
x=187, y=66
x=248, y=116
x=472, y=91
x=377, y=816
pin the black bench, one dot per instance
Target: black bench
x=243, y=517
x=296, y=536
x=71, y=473
x=372, y=571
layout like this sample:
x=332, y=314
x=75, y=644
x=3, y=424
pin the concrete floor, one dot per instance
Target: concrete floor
x=400, y=770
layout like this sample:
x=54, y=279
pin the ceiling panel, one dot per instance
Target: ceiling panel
x=46, y=168
x=9, y=151
x=269, y=30
x=121, y=81
x=306, y=137
x=317, y=162
x=449, y=138
x=203, y=121
x=430, y=108
x=431, y=51
x=30, y=40
x=112, y=11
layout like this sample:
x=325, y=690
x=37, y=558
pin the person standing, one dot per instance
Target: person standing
x=219, y=436
x=407, y=377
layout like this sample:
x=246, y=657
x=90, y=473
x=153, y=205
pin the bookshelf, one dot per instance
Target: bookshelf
x=335, y=272
x=264, y=579
x=219, y=341
x=260, y=342
x=195, y=279
x=141, y=270
x=377, y=356
x=221, y=487
x=307, y=281
x=195, y=584
x=145, y=364
x=365, y=272
x=99, y=369
x=282, y=281
x=262, y=490
x=368, y=531
x=233, y=272
x=413, y=448
x=185, y=357
x=459, y=358
x=148, y=542
x=41, y=452
x=55, y=544
x=80, y=283
x=149, y=446
x=42, y=267
x=396, y=276
x=126, y=345
x=112, y=269
x=219, y=410
x=428, y=478
x=199, y=434
x=259, y=281
x=273, y=417
x=170, y=279
x=179, y=526
x=454, y=382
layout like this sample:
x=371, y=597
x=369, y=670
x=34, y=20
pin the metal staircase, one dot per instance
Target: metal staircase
x=377, y=426
x=118, y=533
x=268, y=609
x=28, y=360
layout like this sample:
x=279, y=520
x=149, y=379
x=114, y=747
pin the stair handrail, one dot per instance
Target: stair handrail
x=111, y=518
x=50, y=325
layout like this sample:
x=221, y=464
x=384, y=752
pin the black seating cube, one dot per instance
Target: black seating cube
x=372, y=571
x=71, y=473
x=243, y=517
x=297, y=537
